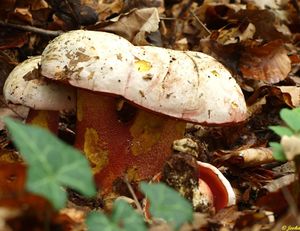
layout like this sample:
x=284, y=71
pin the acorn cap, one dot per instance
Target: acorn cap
x=26, y=87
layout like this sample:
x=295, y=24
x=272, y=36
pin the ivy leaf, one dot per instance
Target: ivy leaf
x=96, y=221
x=131, y=220
x=52, y=163
x=168, y=204
x=281, y=131
x=123, y=215
x=278, y=152
x=291, y=118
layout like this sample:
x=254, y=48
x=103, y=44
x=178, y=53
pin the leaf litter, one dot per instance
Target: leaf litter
x=257, y=40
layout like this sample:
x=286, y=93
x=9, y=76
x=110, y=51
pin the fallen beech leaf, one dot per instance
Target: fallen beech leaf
x=264, y=22
x=129, y=5
x=227, y=216
x=249, y=157
x=291, y=95
x=23, y=14
x=290, y=146
x=10, y=38
x=268, y=62
x=134, y=25
x=39, y=4
x=236, y=34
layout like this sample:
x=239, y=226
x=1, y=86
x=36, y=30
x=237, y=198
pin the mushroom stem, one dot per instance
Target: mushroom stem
x=136, y=148
x=44, y=118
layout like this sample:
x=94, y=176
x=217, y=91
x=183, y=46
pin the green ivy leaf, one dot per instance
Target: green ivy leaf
x=278, y=152
x=52, y=163
x=123, y=216
x=281, y=131
x=96, y=221
x=131, y=220
x=291, y=118
x=168, y=204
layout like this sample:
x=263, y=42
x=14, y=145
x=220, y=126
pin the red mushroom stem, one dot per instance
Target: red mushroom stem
x=44, y=118
x=136, y=149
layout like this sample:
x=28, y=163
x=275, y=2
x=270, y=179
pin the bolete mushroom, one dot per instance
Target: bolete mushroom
x=167, y=87
x=44, y=97
x=217, y=188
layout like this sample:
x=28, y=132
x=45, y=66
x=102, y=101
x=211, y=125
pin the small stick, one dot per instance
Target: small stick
x=32, y=29
x=136, y=201
x=207, y=31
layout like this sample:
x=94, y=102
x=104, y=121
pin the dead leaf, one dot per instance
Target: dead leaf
x=135, y=25
x=10, y=38
x=291, y=95
x=23, y=14
x=129, y=5
x=268, y=62
x=290, y=146
x=236, y=34
x=248, y=157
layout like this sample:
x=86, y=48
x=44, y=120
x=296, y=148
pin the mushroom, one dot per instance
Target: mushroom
x=45, y=98
x=214, y=184
x=200, y=182
x=166, y=87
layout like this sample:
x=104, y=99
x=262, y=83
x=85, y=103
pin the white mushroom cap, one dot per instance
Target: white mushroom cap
x=97, y=61
x=21, y=87
x=186, y=85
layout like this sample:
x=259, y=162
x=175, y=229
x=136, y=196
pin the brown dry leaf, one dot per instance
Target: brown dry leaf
x=255, y=220
x=105, y=8
x=12, y=38
x=269, y=62
x=129, y=5
x=290, y=146
x=227, y=216
x=284, y=195
x=23, y=14
x=135, y=25
x=264, y=21
x=236, y=34
x=248, y=157
x=39, y=4
x=291, y=95
x=277, y=7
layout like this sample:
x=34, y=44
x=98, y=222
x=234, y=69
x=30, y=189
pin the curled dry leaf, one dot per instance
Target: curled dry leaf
x=134, y=25
x=269, y=62
x=236, y=34
x=249, y=157
x=291, y=94
x=290, y=146
x=23, y=14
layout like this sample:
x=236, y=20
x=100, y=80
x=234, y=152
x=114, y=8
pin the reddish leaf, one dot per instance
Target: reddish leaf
x=268, y=62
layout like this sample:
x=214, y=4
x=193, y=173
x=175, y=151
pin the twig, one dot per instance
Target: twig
x=201, y=23
x=136, y=201
x=32, y=29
